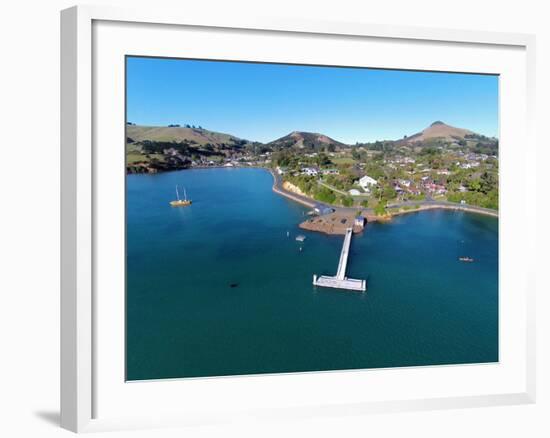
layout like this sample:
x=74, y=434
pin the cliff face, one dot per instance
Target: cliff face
x=292, y=188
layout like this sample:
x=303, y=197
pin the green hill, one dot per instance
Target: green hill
x=197, y=136
x=307, y=141
x=160, y=148
x=439, y=130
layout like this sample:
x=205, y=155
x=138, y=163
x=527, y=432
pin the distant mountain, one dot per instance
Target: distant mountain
x=306, y=141
x=438, y=130
x=160, y=148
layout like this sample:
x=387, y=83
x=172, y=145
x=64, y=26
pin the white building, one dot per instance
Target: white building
x=366, y=182
x=310, y=171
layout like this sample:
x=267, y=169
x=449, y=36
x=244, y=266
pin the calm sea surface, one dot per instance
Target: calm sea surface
x=218, y=289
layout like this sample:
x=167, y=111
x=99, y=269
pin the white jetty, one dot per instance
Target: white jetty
x=340, y=281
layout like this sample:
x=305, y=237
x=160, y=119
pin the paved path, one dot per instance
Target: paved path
x=334, y=189
x=343, y=262
x=445, y=204
x=304, y=200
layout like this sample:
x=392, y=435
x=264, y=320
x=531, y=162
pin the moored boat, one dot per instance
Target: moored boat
x=181, y=202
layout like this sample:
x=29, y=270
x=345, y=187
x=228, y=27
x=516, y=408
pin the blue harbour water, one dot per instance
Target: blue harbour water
x=218, y=288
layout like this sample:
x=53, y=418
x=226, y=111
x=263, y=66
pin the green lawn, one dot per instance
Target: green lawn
x=132, y=147
x=343, y=160
x=216, y=158
x=136, y=157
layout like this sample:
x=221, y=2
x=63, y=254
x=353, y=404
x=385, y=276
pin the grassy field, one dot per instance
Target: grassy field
x=343, y=160
x=176, y=134
x=216, y=158
x=132, y=148
x=136, y=157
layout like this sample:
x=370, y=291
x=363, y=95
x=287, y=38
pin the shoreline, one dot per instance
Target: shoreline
x=367, y=212
x=326, y=224
x=457, y=207
x=303, y=200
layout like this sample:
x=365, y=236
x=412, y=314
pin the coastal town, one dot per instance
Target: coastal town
x=439, y=165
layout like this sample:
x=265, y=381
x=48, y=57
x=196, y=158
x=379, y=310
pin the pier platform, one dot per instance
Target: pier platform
x=340, y=281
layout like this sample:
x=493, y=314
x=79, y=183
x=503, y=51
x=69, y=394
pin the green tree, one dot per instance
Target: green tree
x=475, y=185
x=389, y=192
x=324, y=194
x=489, y=182
x=347, y=201
x=323, y=159
x=380, y=209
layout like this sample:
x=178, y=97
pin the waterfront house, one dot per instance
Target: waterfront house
x=310, y=171
x=366, y=182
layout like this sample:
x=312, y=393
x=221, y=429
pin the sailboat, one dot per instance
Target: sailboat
x=181, y=202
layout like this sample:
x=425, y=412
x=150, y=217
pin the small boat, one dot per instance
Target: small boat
x=181, y=202
x=466, y=259
x=300, y=237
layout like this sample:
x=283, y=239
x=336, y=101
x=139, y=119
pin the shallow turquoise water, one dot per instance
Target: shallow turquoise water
x=184, y=319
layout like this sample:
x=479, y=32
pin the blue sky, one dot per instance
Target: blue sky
x=266, y=101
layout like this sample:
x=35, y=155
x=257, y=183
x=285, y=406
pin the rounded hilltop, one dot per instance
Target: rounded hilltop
x=439, y=130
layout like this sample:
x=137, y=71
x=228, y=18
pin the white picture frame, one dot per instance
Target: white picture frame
x=82, y=373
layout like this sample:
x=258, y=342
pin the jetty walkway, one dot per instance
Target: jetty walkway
x=340, y=281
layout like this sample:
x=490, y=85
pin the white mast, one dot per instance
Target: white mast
x=177, y=193
x=184, y=194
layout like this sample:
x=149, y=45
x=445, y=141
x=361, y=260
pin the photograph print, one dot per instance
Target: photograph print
x=286, y=218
